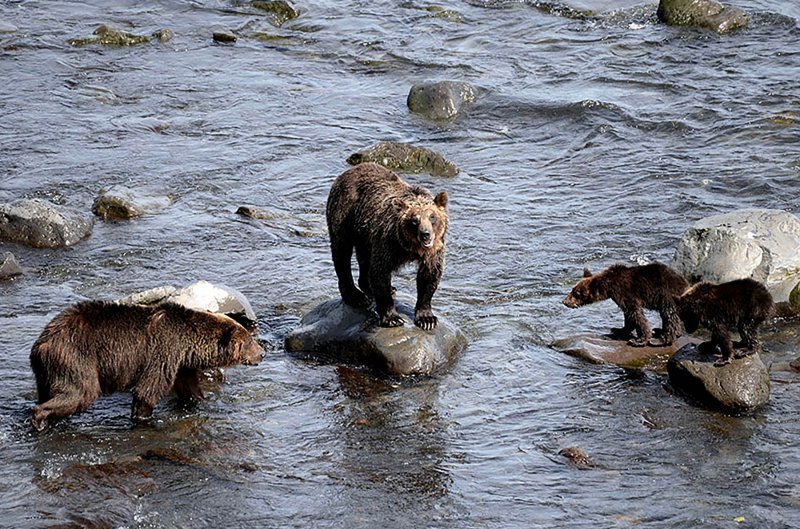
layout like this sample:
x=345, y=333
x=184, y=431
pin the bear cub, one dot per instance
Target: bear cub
x=98, y=347
x=634, y=288
x=389, y=223
x=743, y=304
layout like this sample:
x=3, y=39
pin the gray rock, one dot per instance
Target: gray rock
x=8, y=266
x=763, y=244
x=741, y=385
x=605, y=350
x=164, y=35
x=224, y=36
x=440, y=101
x=201, y=295
x=279, y=10
x=701, y=13
x=336, y=332
x=405, y=157
x=41, y=224
x=119, y=202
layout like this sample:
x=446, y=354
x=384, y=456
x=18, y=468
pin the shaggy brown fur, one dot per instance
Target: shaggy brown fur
x=652, y=286
x=743, y=304
x=97, y=347
x=389, y=223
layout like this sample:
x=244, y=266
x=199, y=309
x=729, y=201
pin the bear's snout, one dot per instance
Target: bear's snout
x=252, y=353
x=571, y=302
x=426, y=238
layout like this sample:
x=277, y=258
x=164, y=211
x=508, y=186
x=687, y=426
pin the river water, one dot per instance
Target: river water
x=593, y=140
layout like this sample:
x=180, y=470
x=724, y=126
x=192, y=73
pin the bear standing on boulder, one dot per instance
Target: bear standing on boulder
x=97, y=347
x=389, y=223
x=652, y=286
x=743, y=304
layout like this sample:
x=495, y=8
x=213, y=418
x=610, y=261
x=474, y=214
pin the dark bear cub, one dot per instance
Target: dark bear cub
x=389, y=223
x=634, y=288
x=97, y=347
x=743, y=304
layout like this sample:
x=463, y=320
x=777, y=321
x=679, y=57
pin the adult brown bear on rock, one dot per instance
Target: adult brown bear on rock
x=97, y=347
x=634, y=288
x=742, y=304
x=389, y=223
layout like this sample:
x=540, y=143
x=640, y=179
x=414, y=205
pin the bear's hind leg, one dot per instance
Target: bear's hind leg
x=381, y=281
x=152, y=386
x=722, y=338
x=750, y=340
x=670, y=325
x=60, y=405
x=362, y=256
x=187, y=385
x=642, y=327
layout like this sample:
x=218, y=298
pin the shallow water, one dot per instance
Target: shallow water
x=593, y=141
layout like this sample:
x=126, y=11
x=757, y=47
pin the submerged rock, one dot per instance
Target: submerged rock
x=110, y=36
x=280, y=10
x=201, y=295
x=577, y=457
x=257, y=213
x=605, y=350
x=763, y=244
x=164, y=35
x=741, y=385
x=42, y=224
x=223, y=36
x=339, y=333
x=8, y=266
x=701, y=13
x=440, y=101
x=119, y=202
x=405, y=157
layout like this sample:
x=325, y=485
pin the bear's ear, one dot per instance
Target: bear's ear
x=440, y=199
x=586, y=272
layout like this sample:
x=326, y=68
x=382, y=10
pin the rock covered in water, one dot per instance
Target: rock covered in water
x=339, y=333
x=201, y=295
x=119, y=202
x=110, y=36
x=280, y=11
x=42, y=224
x=741, y=385
x=164, y=35
x=763, y=244
x=440, y=101
x=405, y=157
x=605, y=350
x=701, y=13
x=8, y=266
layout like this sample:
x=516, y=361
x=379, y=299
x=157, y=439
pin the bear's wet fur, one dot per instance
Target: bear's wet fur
x=389, y=223
x=634, y=288
x=742, y=304
x=100, y=347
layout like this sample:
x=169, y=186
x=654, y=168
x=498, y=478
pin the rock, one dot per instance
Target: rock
x=164, y=35
x=405, y=157
x=9, y=267
x=763, y=244
x=224, y=36
x=339, y=333
x=605, y=350
x=701, y=13
x=577, y=457
x=42, y=224
x=794, y=298
x=119, y=202
x=109, y=36
x=6, y=27
x=201, y=295
x=280, y=10
x=440, y=101
x=258, y=213
x=741, y=385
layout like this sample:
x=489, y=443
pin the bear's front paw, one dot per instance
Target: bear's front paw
x=355, y=298
x=391, y=319
x=38, y=423
x=425, y=320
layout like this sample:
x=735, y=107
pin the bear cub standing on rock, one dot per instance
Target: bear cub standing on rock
x=743, y=304
x=652, y=286
x=98, y=347
x=389, y=223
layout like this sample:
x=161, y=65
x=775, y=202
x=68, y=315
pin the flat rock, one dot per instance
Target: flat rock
x=201, y=295
x=441, y=100
x=701, y=13
x=405, y=157
x=763, y=244
x=605, y=350
x=42, y=224
x=339, y=333
x=119, y=202
x=741, y=385
x=8, y=266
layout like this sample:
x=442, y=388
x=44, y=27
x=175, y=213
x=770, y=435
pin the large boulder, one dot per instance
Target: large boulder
x=42, y=224
x=440, y=101
x=119, y=202
x=763, y=244
x=741, y=385
x=701, y=13
x=334, y=331
x=8, y=266
x=606, y=350
x=405, y=157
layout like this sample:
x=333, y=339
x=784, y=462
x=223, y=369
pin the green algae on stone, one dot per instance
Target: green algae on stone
x=281, y=10
x=109, y=36
x=405, y=157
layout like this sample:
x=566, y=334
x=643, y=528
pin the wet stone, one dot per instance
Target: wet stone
x=405, y=157
x=224, y=36
x=701, y=13
x=741, y=385
x=257, y=213
x=6, y=27
x=110, y=36
x=576, y=457
x=605, y=350
x=280, y=11
x=9, y=268
x=338, y=333
x=42, y=224
x=119, y=202
x=164, y=35
x=440, y=101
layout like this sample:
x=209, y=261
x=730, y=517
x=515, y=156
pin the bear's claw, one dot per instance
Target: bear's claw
x=391, y=319
x=425, y=320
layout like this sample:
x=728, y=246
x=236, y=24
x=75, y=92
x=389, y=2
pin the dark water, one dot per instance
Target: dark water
x=593, y=141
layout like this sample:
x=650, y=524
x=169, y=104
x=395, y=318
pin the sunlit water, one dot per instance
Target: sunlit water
x=593, y=140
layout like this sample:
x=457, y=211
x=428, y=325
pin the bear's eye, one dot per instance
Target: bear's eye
x=414, y=222
x=433, y=219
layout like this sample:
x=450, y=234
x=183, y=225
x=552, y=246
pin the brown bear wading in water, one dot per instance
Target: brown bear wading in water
x=97, y=347
x=652, y=286
x=743, y=304
x=389, y=223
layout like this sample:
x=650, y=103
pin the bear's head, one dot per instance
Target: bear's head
x=685, y=304
x=423, y=224
x=587, y=290
x=241, y=346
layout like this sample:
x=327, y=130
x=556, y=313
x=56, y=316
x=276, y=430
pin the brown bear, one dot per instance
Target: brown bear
x=98, y=347
x=743, y=304
x=389, y=223
x=634, y=288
